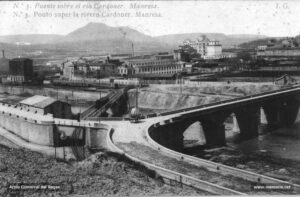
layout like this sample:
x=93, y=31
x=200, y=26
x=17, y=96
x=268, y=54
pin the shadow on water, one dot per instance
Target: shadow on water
x=280, y=144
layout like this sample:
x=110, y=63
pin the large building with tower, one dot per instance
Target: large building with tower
x=208, y=49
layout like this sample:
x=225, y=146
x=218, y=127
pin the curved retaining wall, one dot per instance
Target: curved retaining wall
x=170, y=176
x=212, y=166
x=61, y=152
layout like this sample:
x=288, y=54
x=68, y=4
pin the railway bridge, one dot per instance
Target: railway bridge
x=115, y=101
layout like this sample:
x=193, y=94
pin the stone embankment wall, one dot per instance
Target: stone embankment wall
x=27, y=125
x=170, y=97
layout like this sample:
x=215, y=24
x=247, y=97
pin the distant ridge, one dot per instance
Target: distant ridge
x=103, y=38
x=101, y=31
x=227, y=41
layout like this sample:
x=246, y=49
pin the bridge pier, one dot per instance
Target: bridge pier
x=214, y=133
x=263, y=118
x=248, y=121
x=235, y=127
x=170, y=135
x=281, y=113
x=214, y=129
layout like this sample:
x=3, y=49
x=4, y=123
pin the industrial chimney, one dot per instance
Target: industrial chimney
x=132, y=47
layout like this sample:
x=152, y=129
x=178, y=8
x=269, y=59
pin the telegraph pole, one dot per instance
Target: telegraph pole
x=136, y=97
x=180, y=83
x=99, y=94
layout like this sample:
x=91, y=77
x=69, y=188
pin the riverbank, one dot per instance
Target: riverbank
x=158, y=98
x=101, y=174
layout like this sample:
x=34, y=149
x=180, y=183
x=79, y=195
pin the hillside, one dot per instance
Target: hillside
x=254, y=44
x=31, y=38
x=99, y=38
x=275, y=40
x=100, y=31
x=93, y=37
x=91, y=31
x=227, y=41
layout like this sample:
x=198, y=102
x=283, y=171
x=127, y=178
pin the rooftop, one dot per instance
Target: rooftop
x=38, y=101
x=282, y=48
x=21, y=59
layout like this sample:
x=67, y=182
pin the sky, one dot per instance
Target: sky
x=271, y=18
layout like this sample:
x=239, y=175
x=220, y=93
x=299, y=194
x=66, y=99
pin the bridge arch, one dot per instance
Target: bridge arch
x=194, y=135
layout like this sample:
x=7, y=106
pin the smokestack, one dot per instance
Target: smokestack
x=3, y=54
x=132, y=46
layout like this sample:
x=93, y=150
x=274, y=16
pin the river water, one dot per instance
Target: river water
x=283, y=143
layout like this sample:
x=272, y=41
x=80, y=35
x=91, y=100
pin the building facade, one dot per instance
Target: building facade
x=4, y=64
x=278, y=52
x=90, y=69
x=153, y=67
x=125, y=70
x=20, y=70
x=208, y=49
x=44, y=105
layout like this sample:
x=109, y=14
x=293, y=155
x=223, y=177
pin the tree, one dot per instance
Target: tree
x=188, y=53
x=244, y=55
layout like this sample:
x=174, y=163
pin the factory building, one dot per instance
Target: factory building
x=4, y=64
x=44, y=105
x=152, y=67
x=20, y=70
x=83, y=68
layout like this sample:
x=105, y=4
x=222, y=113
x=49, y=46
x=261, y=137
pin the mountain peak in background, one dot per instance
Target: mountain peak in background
x=95, y=37
x=100, y=31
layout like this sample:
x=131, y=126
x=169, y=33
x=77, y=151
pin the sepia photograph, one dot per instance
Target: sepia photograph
x=149, y=98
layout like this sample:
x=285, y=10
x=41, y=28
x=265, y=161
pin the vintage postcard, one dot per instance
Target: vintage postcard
x=149, y=98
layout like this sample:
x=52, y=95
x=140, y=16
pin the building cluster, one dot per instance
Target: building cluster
x=206, y=48
x=154, y=66
x=287, y=47
x=279, y=55
x=24, y=70
x=97, y=67
x=159, y=65
x=145, y=66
